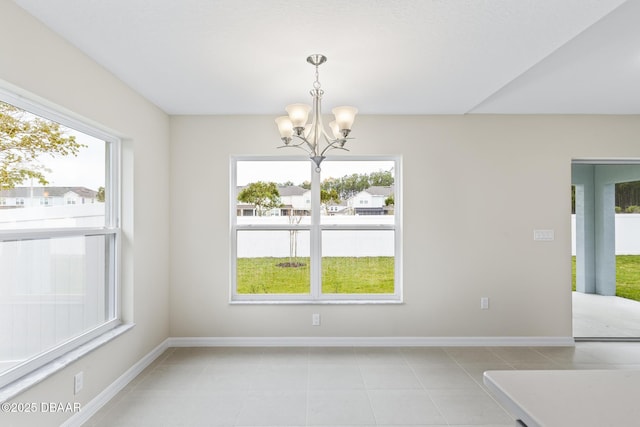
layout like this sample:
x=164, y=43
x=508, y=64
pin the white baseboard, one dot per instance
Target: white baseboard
x=107, y=394
x=371, y=342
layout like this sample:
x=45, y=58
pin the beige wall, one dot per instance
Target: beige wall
x=475, y=188
x=36, y=61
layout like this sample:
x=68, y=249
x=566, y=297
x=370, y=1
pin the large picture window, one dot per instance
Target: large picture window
x=304, y=236
x=58, y=235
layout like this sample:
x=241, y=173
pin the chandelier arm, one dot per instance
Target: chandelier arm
x=299, y=146
x=304, y=141
x=333, y=146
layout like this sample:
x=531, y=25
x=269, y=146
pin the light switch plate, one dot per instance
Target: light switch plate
x=544, y=235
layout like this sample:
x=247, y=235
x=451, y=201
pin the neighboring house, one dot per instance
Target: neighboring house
x=333, y=208
x=245, y=209
x=294, y=201
x=370, y=201
x=20, y=197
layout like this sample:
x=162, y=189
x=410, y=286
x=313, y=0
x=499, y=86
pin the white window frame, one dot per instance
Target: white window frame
x=315, y=229
x=111, y=231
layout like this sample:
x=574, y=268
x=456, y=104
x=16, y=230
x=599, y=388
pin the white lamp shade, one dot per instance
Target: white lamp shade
x=285, y=127
x=335, y=130
x=345, y=116
x=298, y=114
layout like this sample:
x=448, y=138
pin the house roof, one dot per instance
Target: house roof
x=376, y=190
x=48, y=192
x=291, y=190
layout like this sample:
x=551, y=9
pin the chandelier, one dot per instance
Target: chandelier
x=310, y=137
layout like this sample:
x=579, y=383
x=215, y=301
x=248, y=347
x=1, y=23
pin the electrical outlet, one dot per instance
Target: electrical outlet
x=315, y=319
x=78, y=382
x=484, y=303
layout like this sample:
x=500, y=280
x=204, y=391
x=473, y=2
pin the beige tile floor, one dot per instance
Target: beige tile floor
x=343, y=386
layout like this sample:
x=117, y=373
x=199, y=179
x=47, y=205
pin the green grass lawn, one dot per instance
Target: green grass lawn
x=373, y=275
x=627, y=276
x=353, y=275
x=361, y=275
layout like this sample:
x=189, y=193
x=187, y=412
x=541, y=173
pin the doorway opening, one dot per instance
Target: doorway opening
x=606, y=249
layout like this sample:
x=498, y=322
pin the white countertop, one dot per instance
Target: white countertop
x=598, y=398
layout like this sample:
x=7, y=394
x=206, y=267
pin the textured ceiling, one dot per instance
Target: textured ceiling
x=384, y=56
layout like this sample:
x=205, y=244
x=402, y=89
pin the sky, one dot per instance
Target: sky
x=299, y=171
x=85, y=170
x=88, y=169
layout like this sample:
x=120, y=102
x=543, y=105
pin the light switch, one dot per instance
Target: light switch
x=544, y=235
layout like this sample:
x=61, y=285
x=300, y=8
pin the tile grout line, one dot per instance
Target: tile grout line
x=366, y=389
x=308, y=392
x=426, y=391
x=486, y=392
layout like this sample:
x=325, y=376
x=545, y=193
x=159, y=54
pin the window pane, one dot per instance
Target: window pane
x=357, y=189
x=358, y=262
x=273, y=189
x=348, y=244
x=51, y=290
x=55, y=181
x=273, y=262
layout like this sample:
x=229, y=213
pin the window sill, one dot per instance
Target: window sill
x=15, y=388
x=317, y=302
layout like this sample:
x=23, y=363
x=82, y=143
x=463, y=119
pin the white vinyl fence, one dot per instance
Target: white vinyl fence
x=50, y=289
x=627, y=234
x=352, y=243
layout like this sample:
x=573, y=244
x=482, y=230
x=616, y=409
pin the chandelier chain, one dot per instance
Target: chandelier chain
x=316, y=84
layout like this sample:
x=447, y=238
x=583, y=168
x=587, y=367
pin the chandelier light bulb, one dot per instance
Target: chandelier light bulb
x=285, y=127
x=335, y=129
x=298, y=114
x=345, y=117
